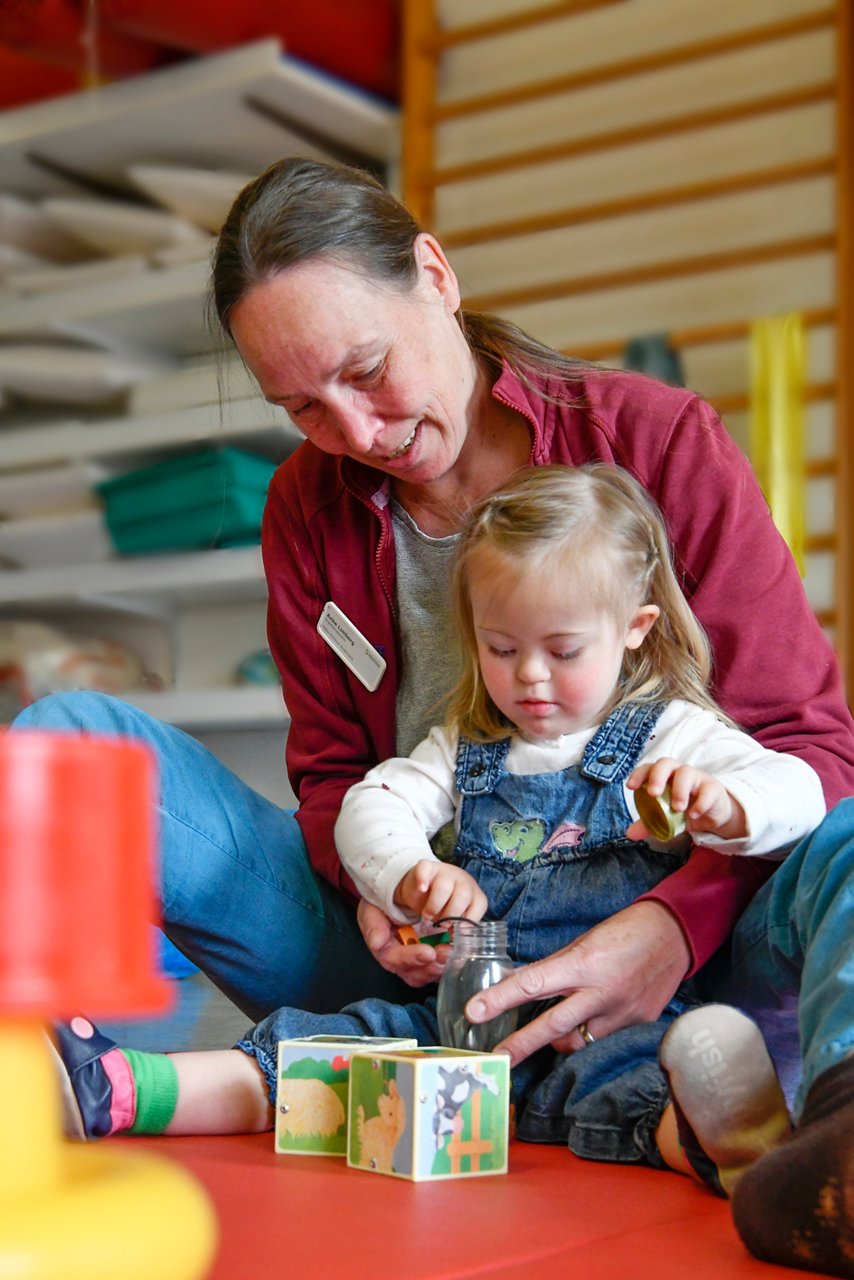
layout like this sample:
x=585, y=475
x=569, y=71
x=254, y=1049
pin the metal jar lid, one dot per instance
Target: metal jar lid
x=657, y=815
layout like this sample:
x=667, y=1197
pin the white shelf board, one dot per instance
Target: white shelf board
x=242, y=707
x=204, y=577
x=137, y=434
x=197, y=114
x=162, y=310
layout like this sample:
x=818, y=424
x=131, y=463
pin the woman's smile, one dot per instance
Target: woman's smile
x=392, y=383
x=404, y=447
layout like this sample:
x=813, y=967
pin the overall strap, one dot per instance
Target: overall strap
x=617, y=745
x=480, y=765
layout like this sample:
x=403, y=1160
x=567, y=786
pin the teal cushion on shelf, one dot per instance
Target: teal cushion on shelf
x=206, y=499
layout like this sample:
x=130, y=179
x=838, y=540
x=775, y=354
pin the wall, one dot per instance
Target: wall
x=607, y=169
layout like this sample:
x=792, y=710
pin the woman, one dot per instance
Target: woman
x=349, y=317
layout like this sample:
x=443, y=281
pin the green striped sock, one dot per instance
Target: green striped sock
x=156, y=1083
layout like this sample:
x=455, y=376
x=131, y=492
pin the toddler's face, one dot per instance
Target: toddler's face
x=551, y=664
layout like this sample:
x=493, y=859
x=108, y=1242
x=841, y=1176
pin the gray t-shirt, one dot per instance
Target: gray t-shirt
x=430, y=663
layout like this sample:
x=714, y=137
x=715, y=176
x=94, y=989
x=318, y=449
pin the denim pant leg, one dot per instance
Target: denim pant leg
x=365, y=1018
x=239, y=895
x=797, y=934
x=604, y=1101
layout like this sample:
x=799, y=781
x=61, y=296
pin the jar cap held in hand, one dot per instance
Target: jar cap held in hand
x=657, y=815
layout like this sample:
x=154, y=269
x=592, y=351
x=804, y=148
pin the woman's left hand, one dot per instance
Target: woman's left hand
x=621, y=972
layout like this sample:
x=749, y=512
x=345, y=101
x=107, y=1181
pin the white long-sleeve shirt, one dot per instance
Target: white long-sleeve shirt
x=387, y=819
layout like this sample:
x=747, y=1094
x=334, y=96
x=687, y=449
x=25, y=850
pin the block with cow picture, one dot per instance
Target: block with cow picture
x=429, y=1113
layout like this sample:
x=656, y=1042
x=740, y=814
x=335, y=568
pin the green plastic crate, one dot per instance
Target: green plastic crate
x=209, y=499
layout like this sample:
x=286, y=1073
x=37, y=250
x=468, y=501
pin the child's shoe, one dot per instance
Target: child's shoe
x=729, y=1106
x=94, y=1081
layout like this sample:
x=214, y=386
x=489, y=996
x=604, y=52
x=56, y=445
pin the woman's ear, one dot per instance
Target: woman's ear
x=435, y=272
x=640, y=624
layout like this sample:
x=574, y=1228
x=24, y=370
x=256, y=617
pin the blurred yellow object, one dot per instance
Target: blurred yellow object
x=777, y=360
x=77, y=850
x=76, y=1212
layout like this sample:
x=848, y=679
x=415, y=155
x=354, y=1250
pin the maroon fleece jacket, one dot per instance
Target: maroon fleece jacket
x=327, y=536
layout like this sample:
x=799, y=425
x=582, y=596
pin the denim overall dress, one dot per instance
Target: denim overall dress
x=550, y=852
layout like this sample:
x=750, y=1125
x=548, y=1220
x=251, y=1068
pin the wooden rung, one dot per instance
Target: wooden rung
x=826, y=617
x=650, y=272
x=630, y=67
x=642, y=203
x=821, y=468
x=682, y=123
x=516, y=22
x=699, y=337
x=739, y=401
x=821, y=543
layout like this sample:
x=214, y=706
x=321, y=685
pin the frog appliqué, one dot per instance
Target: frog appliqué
x=524, y=838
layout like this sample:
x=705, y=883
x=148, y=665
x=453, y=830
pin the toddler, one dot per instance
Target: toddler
x=585, y=677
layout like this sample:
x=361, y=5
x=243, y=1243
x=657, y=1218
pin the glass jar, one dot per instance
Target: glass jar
x=478, y=960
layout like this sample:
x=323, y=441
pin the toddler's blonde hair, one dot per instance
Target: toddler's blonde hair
x=596, y=528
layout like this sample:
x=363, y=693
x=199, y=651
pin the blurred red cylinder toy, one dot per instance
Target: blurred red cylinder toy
x=77, y=876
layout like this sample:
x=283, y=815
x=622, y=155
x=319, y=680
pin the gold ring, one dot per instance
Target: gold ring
x=585, y=1034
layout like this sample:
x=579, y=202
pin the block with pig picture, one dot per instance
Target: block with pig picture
x=312, y=1088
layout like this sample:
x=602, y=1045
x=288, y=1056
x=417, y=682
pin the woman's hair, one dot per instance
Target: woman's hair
x=300, y=209
x=595, y=530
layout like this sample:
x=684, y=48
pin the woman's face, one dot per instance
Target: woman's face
x=362, y=368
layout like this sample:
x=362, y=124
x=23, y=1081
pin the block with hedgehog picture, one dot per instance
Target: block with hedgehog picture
x=312, y=1089
x=429, y=1113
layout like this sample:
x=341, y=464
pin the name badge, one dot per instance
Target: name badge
x=352, y=648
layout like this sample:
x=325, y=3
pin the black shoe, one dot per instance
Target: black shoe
x=86, y=1089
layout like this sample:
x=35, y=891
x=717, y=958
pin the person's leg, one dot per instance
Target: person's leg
x=219, y=1091
x=107, y=1089
x=795, y=1205
x=604, y=1101
x=793, y=947
x=239, y=896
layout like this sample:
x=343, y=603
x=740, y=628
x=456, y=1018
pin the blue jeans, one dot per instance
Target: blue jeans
x=797, y=936
x=239, y=896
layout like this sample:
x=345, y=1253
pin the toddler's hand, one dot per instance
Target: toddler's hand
x=705, y=801
x=433, y=890
x=416, y=965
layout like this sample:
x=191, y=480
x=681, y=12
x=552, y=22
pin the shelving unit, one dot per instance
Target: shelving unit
x=250, y=422
x=190, y=617
x=162, y=311
x=236, y=111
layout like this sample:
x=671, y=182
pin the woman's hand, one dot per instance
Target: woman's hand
x=417, y=964
x=705, y=801
x=621, y=972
